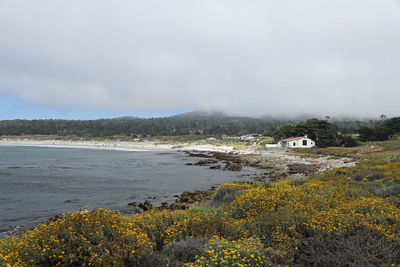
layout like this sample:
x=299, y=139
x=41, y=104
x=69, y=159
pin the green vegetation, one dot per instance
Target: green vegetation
x=137, y=127
x=324, y=133
x=195, y=123
x=383, y=131
x=341, y=217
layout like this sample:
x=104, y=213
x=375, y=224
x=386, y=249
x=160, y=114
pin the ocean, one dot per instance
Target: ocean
x=37, y=183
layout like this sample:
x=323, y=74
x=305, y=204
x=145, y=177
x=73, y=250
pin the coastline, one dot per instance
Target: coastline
x=255, y=156
x=276, y=162
x=114, y=145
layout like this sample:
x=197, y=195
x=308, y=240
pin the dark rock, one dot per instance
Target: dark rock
x=164, y=206
x=198, y=155
x=72, y=200
x=217, y=167
x=179, y=206
x=187, y=199
x=133, y=204
x=189, y=164
x=55, y=218
x=303, y=168
x=206, y=162
x=232, y=166
x=145, y=206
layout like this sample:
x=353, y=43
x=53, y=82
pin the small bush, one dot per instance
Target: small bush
x=369, y=175
x=176, y=254
x=385, y=191
x=360, y=248
x=225, y=195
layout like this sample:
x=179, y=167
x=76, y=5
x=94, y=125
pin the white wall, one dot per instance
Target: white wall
x=299, y=143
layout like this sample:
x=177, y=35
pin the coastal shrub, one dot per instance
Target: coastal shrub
x=359, y=248
x=385, y=191
x=96, y=238
x=227, y=193
x=165, y=227
x=370, y=175
x=243, y=252
x=176, y=254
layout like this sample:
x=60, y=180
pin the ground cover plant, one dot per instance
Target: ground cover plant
x=341, y=217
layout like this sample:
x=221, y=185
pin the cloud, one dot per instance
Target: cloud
x=244, y=57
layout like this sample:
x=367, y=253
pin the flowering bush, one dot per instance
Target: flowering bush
x=97, y=238
x=221, y=252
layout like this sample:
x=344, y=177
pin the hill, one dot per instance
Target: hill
x=192, y=123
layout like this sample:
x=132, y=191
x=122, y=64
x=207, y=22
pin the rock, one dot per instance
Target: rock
x=179, y=206
x=133, y=204
x=55, y=218
x=303, y=168
x=189, y=164
x=187, y=199
x=206, y=162
x=216, y=167
x=198, y=155
x=232, y=166
x=145, y=206
x=164, y=206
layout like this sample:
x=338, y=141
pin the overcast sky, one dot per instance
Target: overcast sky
x=245, y=57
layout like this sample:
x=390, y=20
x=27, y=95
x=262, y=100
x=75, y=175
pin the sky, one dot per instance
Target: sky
x=96, y=58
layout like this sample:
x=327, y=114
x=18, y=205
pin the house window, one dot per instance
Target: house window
x=304, y=142
x=294, y=143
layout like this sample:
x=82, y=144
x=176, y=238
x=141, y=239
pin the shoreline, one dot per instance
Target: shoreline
x=259, y=157
x=116, y=145
x=275, y=161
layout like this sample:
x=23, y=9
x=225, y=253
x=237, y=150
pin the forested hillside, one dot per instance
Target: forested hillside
x=184, y=124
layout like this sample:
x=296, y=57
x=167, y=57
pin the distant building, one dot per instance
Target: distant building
x=293, y=142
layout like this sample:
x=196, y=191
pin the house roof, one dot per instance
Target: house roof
x=294, y=138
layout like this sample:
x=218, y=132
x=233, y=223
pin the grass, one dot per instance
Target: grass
x=340, y=217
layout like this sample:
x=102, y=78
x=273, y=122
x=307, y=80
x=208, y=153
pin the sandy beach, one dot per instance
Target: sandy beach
x=116, y=145
x=270, y=156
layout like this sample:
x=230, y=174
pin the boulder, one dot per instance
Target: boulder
x=233, y=166
x=145, y=206
x=206, y=162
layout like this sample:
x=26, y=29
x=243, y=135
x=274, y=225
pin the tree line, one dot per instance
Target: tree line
x=323, y=132
x=382, y=131
x=171, y=126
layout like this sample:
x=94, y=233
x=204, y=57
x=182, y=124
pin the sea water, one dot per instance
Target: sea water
x=37, y=183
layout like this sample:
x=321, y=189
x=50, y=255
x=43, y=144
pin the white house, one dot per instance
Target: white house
x=293, y=142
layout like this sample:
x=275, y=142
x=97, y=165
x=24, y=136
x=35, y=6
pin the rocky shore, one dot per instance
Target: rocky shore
x=277, y=163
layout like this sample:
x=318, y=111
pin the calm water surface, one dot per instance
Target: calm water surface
x=37, y=183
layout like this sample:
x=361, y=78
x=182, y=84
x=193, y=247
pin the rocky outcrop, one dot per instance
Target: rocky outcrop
x=233, y=166
x=206, y=162
x=216, y=167
x=303, y=168
x=145, y=206
x=188, y=199
x=198, y=155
